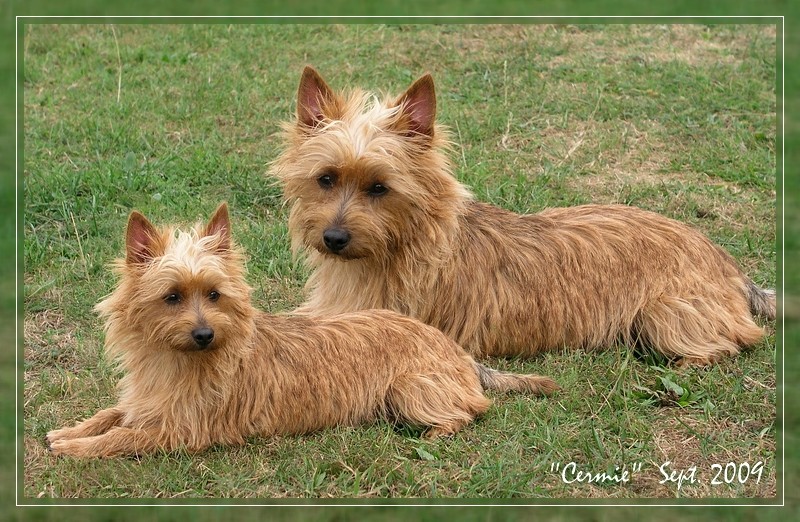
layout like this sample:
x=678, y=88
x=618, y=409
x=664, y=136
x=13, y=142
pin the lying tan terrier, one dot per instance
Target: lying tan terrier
x=384, y=224
x=202, y=366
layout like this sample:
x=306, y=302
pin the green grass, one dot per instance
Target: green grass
x=676, y=119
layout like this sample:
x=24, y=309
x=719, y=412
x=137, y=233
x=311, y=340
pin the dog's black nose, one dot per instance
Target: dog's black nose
x=203, y=336
x=336, y=239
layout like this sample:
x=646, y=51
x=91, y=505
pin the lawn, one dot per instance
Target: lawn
x=173, y=119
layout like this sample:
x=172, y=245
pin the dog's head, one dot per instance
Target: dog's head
x=179, y=290
x=365, y=177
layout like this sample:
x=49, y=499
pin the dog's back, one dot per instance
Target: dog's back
x=589, y=276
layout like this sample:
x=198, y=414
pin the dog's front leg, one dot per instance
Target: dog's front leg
x=117, y=441
x=101, y=422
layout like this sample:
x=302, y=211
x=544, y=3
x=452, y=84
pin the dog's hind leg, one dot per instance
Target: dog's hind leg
x=441, y=402
x=695, y=330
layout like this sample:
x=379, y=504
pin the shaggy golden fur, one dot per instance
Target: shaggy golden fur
x=202, y=366
x=385, y=224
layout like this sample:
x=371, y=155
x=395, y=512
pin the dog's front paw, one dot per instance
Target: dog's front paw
x=70, y=447
x=57, y=447
x=55, y=435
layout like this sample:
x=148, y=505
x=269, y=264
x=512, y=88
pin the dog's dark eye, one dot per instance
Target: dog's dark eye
x=172, y=298
x=327, y=180
x=213, y=296
x=377, y=189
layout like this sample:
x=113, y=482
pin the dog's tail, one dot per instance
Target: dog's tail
x=504, y=381
x=762, y=302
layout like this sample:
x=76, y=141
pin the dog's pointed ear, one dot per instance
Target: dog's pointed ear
x=142, y=240
x=418, y=104
x=313, y=96
x=220, y=223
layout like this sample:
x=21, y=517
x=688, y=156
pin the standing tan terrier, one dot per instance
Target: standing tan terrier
x=202, y=366
x=385, y=224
